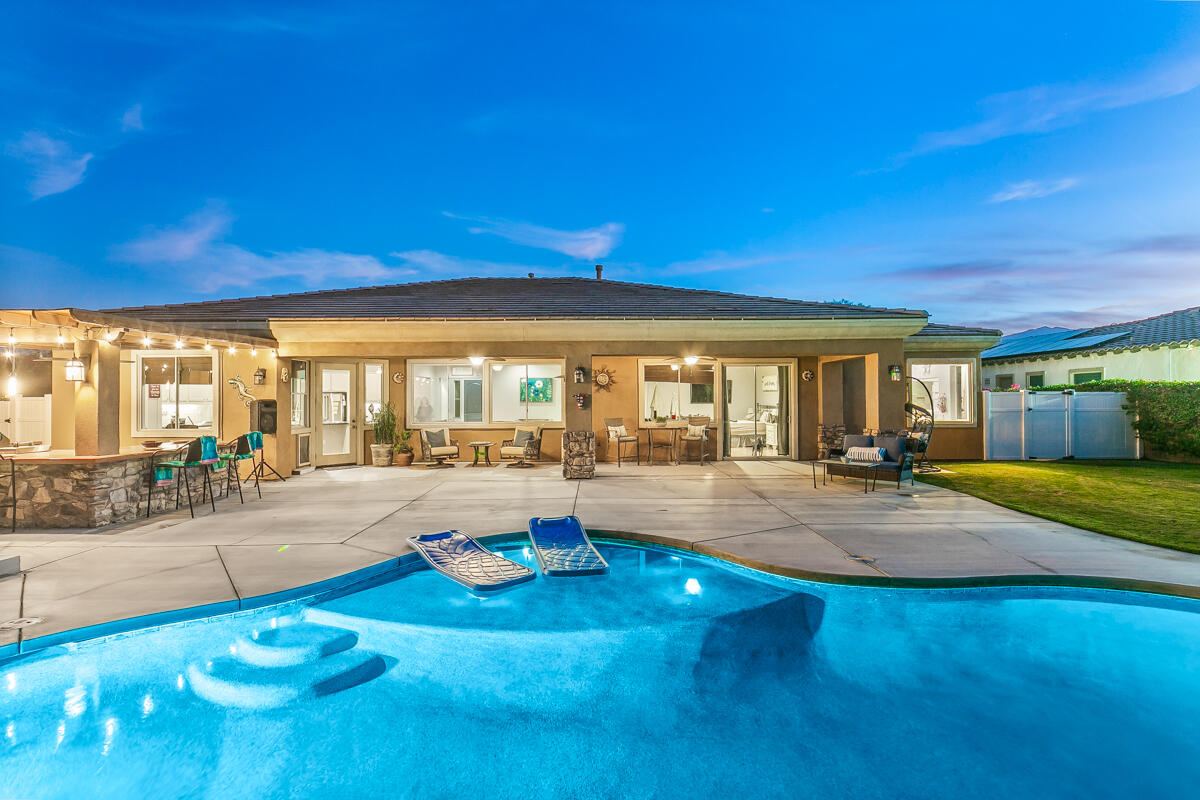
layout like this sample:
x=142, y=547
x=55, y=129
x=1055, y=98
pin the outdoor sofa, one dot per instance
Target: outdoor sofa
x=897, y=462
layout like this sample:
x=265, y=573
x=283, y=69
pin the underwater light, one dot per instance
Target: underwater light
x=692, y=586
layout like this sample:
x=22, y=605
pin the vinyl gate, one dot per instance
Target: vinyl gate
x=1023, y=425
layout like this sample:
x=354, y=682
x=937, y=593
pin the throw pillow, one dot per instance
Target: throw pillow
x=436, y=438
x=865, y=454
x=616, y=431
x=522, y=438
x=696, y=431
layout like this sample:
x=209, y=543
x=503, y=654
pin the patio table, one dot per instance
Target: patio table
x=481, y=449
x=870, y=470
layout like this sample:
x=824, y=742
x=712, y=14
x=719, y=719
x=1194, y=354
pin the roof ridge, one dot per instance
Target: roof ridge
x=1145, y=319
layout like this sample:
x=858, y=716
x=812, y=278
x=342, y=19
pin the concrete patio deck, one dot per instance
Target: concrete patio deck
x=330, y=522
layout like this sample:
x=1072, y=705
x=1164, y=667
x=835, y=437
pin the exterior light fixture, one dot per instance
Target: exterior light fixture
x=895, y=372
x=690, y=360
x=146, y=341
x=110, y=335
x=61, y=339
x=179, y=344
x=260, y=376
x=580, y=375
x=73, y=371
x=475, y=360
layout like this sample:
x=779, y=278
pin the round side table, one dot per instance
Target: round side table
x=481, y=450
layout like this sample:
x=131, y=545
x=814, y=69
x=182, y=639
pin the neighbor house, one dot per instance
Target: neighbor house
x=1162, y=348
x=482, y=355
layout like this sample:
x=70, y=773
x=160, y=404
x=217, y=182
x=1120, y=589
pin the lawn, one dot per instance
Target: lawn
x=1145, y=501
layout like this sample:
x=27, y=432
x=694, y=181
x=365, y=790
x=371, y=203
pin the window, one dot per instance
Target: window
x=174, y=392
x=299, y=394
x=493, y=392
x=1035, y=380
x=526, y=392
x=373, y=391
x=951, y=386
x=1004, y=381
x=1087, y=376
x=677, y=391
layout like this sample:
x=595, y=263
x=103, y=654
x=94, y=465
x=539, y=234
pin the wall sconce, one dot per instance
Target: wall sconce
x=260, y=376
x=896, y=373
x=75, y=371
x=580, y=375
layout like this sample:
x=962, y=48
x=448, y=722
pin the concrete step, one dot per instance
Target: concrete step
x=298, y=643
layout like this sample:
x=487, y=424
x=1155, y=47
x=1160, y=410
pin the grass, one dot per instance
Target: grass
x=1146, y=501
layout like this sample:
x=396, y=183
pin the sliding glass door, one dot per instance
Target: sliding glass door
x=756, y=407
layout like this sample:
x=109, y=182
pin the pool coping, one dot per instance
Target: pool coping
x=409, y=561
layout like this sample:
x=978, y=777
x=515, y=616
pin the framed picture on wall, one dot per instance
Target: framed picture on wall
x=702, y=392
x=770, y=383
x=537, y=390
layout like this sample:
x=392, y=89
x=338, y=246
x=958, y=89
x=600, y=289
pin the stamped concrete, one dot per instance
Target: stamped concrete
x=329, y=522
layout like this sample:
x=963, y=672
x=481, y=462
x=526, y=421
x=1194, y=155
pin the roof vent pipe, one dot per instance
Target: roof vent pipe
x=599, y=271
x=531, y=274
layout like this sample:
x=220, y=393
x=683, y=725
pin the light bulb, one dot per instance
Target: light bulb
x=145, y=341
x=208, y=345
x=11, y=388
x=179, y=344
x=232, y=349
x=253, y=352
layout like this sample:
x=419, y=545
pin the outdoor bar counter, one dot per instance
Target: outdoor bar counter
x=59, y=489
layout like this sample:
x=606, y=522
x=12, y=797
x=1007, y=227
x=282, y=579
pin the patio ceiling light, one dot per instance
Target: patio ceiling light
x=476, y=360
x=690, y=360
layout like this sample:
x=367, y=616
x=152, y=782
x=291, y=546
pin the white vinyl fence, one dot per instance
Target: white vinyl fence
x=1023, y=425
x=26, y=419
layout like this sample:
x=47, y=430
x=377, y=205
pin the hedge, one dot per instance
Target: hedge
x=1166, y=414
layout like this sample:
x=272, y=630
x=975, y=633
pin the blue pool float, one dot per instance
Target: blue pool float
x=460, y=558
x=563, y=548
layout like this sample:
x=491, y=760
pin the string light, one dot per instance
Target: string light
x=145, y=341
x=253, y=352
x=61, y=339
x=232, y=349
x=179, y=344
x=208, y=345
x=274, y=354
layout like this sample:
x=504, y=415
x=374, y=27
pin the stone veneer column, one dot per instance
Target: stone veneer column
x=98, y=401
x=579, y=454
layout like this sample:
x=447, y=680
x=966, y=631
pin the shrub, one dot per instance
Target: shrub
x=1166, y=414
x=385, y=425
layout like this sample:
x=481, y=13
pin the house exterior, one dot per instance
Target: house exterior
x=1161, y=348
x=482, y=355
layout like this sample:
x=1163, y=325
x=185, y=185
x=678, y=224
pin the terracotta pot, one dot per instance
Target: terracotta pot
x=381, y=455
x=404, y=459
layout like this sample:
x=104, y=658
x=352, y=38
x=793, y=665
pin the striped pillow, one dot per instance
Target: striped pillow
x=865, y=454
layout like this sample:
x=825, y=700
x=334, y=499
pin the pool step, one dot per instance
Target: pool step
x=298, y=643
x=277, y=666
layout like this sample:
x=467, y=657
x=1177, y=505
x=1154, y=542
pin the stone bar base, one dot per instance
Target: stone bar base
x=90, y=492
x=579, y=454
x=830, y=438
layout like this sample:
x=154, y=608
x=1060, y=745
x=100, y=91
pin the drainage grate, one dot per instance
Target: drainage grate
x=19, y=622
x=861, y=559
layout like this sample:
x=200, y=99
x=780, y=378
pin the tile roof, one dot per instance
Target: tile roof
x=937, y=329
x=508, y=298
x=1177, y=326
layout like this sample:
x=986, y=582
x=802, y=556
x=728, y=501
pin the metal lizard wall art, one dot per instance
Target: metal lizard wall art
x=237, y=383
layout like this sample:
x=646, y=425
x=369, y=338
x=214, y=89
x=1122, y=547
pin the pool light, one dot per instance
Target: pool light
x=692, y=586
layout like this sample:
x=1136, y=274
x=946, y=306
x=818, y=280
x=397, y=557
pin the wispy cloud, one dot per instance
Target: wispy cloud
x=131, y=120
x=54, y=165
x=1045, y=108
x=589, y=243
x=1030, y=190
x=726, y=262
x=1171, y=245
x=455, y=266
x=211, y=263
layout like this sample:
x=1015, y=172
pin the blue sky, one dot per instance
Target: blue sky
x=1012, y=164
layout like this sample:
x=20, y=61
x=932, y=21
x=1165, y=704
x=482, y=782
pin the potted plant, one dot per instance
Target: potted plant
x=404, y=451
x=385, y=436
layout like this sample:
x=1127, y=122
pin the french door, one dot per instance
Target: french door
x=336, y=414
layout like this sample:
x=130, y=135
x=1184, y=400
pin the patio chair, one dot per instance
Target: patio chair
x=618, y=436
x=523, y=447
x=237, y=451
x=201, y=453
x=697, y=431
x=437, y=446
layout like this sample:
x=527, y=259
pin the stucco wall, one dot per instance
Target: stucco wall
x=1158, y=364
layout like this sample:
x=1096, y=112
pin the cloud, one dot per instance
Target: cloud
x=725, y=262
x=588, y=244
x=196, y=244
x=56, y=167
x=1039, y=109
x=1176, y=245
x=433, y=261
x=131, y=120
x=1030, y=190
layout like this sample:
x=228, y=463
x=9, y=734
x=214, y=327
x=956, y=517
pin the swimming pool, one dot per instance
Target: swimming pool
x=673, y=676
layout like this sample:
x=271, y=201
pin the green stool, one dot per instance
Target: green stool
x=201, y=453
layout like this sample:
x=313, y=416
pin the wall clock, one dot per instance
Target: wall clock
x=807, y=375
x=603, y=378
x=397, y=377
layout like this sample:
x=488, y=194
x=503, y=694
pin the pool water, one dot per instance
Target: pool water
x=674, y=676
